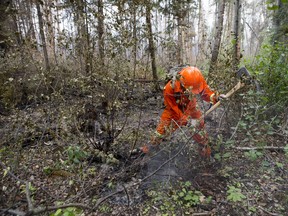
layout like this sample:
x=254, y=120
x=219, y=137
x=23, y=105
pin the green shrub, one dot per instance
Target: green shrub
x=271, y=69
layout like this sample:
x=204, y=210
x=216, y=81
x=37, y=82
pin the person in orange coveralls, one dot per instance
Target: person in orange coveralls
x=181, y=107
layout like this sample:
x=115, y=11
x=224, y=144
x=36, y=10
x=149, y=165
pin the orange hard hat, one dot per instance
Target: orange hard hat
x=191, y=77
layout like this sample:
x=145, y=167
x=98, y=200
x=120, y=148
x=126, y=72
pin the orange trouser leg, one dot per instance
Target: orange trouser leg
x=167, y=125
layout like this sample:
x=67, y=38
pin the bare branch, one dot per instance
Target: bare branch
x=260, y=148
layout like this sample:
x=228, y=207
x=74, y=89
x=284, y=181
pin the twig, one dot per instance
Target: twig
x=101, y=200
x=28, y=196
x=13, y=212
x=270, y=213
x=11, y=174
x=220, y=121
x=238, y=123
x=126, y=192
x=137, y=135
x=201, y=214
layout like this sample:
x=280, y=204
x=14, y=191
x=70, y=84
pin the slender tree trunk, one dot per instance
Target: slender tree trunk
x=41, y=28
x=135, y=41
x=50, y=28
x=16, y=29
x=3, y=31
x=180, y=40
x=151, y=45
x=101, y=32
x=200, y=32
x=31, y=31
x=219, y=30
x=88, y=54
x=237, y=32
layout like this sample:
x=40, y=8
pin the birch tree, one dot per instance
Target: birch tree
x=219, y=30
x=42, y=34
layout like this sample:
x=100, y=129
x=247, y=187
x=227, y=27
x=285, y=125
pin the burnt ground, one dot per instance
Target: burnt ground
x=68, y=156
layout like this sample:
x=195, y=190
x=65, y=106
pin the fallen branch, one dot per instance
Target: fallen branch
x=201, y=214
x=260, y=148
x=270, y=213
x=53, y=208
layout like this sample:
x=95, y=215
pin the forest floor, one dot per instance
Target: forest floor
x=57, y=153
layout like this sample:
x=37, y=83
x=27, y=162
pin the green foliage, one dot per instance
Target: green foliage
x=235, y=194
x=253, y=155
x=183, y=197
x=271, y=69
x=70, y=211
x=75, y=154
x=286, y=151
x=105, y=208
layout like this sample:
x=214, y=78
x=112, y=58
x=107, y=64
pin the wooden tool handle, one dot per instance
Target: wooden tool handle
x=227, y=95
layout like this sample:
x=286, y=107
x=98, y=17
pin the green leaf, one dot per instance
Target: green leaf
x=58, y=212
x=188, y=197
x=187, y=184
x=274, y=7
x=217, y=156
x=279, y=165
x=227, y=155
x=235, y=194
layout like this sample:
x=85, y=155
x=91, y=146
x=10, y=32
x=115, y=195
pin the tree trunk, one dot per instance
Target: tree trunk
x=180, y=41
x=31, y=31
x=135, y=41
x=88, y=53
x=200, y=32
x=280, y=22
x=41, y=28
x=237, y=32
x=151, y=45
x=101, y=32
x=50, y=28
x=16, y=29
x=219, y=30
x=3, y=31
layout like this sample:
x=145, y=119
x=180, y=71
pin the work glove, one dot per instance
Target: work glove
x=184, y=120
x=140, y=150
x=214, y=98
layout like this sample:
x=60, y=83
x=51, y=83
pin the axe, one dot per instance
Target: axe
x=227, y=95
x=241, y=73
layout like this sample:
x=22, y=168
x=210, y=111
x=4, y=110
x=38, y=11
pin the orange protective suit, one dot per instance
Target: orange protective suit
x=180, y=104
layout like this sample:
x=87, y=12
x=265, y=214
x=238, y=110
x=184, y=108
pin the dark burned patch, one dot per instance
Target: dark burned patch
x=208, y=181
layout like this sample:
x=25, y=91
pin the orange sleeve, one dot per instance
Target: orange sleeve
x=170, y=101
x=207, y=93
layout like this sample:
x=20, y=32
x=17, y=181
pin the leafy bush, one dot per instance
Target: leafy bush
x=183, y=197
x=271, y=69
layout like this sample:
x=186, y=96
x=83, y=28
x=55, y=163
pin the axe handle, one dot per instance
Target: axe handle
x=212, y=108
x=227, y=95
x=234, y=89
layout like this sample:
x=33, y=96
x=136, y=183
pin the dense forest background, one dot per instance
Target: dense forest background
x=80, y=87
